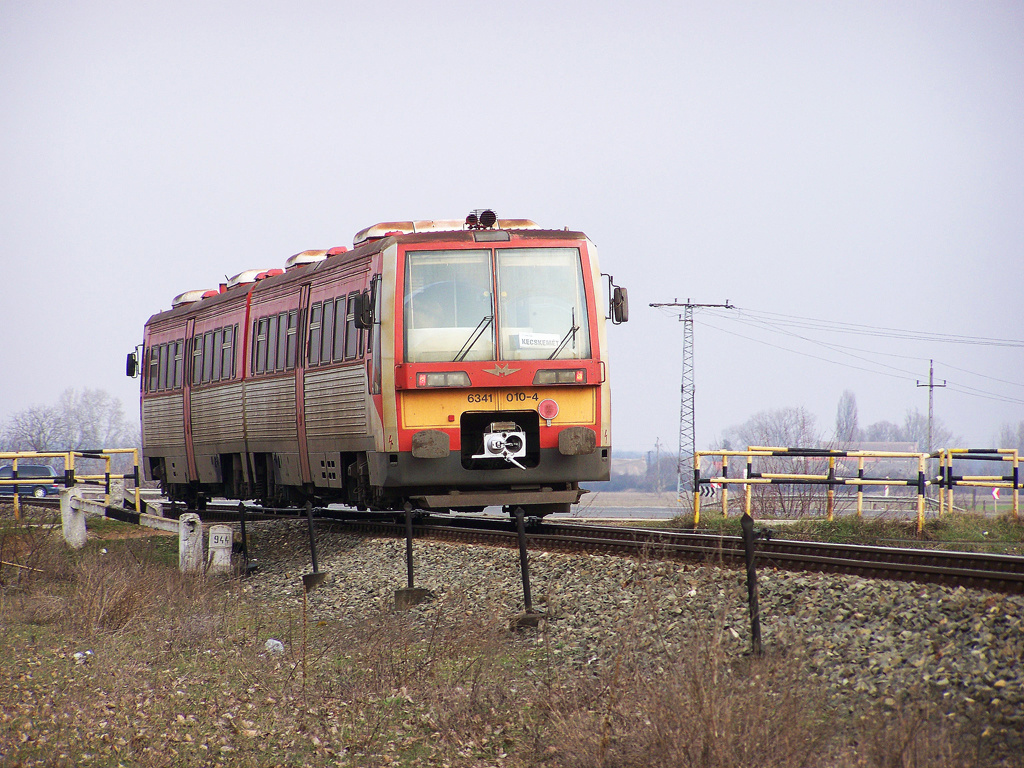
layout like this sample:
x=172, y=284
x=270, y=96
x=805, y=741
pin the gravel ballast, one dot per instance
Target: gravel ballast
x=871, y=643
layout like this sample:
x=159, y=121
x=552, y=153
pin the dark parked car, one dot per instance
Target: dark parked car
x=33, y=479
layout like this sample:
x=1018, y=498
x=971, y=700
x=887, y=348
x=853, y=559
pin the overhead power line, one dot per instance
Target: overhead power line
x=881, y=331
x=775, y=327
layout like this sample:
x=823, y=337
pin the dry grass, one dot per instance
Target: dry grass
x=178, y=676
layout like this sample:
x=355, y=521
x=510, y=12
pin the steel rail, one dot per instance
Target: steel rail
x=999, y=573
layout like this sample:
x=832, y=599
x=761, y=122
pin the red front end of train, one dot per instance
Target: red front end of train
x=448, y=365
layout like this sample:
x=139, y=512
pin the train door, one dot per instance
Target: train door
x=373, y=339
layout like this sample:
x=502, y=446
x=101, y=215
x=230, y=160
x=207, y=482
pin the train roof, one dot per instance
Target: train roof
x=386, y=228
x=367, y=241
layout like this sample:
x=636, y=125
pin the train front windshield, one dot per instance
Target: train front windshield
x=451, y=313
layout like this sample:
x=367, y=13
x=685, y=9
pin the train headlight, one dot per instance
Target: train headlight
x=481, y=219
x=442, y=379
x=560, y=376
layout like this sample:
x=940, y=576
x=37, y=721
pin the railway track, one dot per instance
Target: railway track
x=998, y=573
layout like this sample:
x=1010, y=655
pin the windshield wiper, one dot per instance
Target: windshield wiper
x=474, y=337
x=571, y=333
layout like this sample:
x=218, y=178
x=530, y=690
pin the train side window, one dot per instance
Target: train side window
x=328, y=332
x=271, y=343
x=227, y=359
x=207, y=356
x=162, y=381
x=354, y=335
x=218, y=342
x=154, y=369
x=197, y=359
x=178, y=357
x=260, y=349
x=315, y=315
x=282, y=340
x=339, y=328
x=292, y=338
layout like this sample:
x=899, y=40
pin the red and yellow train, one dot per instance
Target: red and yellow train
x=447, y=364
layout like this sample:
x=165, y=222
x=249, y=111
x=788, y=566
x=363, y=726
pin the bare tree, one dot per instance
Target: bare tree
x=39, y=428
x=781, y=428
x=915, y=430
x=846, y=418
x=93, y=419
x=882, y=432
x=1011, y=437
x=784, y=427
x=90, y=419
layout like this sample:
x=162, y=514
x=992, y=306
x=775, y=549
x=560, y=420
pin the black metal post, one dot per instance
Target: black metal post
x=524, y=561
x=408, y=544
x=747, y=523
x=409, y=596
x=312, y=538
x=245, y=541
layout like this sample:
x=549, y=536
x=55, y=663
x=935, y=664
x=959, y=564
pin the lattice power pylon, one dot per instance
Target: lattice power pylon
x=687, y=429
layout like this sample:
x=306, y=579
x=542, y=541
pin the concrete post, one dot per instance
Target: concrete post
x=220, y=549
x=116, y=498
x=190, y=543
x=72, y=519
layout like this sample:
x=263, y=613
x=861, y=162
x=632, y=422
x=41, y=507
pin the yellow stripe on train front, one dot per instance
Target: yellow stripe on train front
x=443, y=408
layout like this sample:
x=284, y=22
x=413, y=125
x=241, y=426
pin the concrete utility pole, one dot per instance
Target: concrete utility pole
x=657, y=465
x=687, y=433
x=931, y=398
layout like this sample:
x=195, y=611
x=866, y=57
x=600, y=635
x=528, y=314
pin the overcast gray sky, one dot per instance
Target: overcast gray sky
x=816, y=164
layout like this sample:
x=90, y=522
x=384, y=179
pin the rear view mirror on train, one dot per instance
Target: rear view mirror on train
x=620, y=305
x=618, y=301
x=131, y=368
x=364, y=310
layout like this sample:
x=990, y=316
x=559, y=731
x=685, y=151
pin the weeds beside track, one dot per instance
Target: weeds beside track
x=178, y=675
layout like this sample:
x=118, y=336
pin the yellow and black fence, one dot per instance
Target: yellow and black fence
x=834, y=467
x=947, y=479
x=71, y=476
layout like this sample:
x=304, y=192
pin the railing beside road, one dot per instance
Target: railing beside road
x=70, y=477
x=831, y=466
